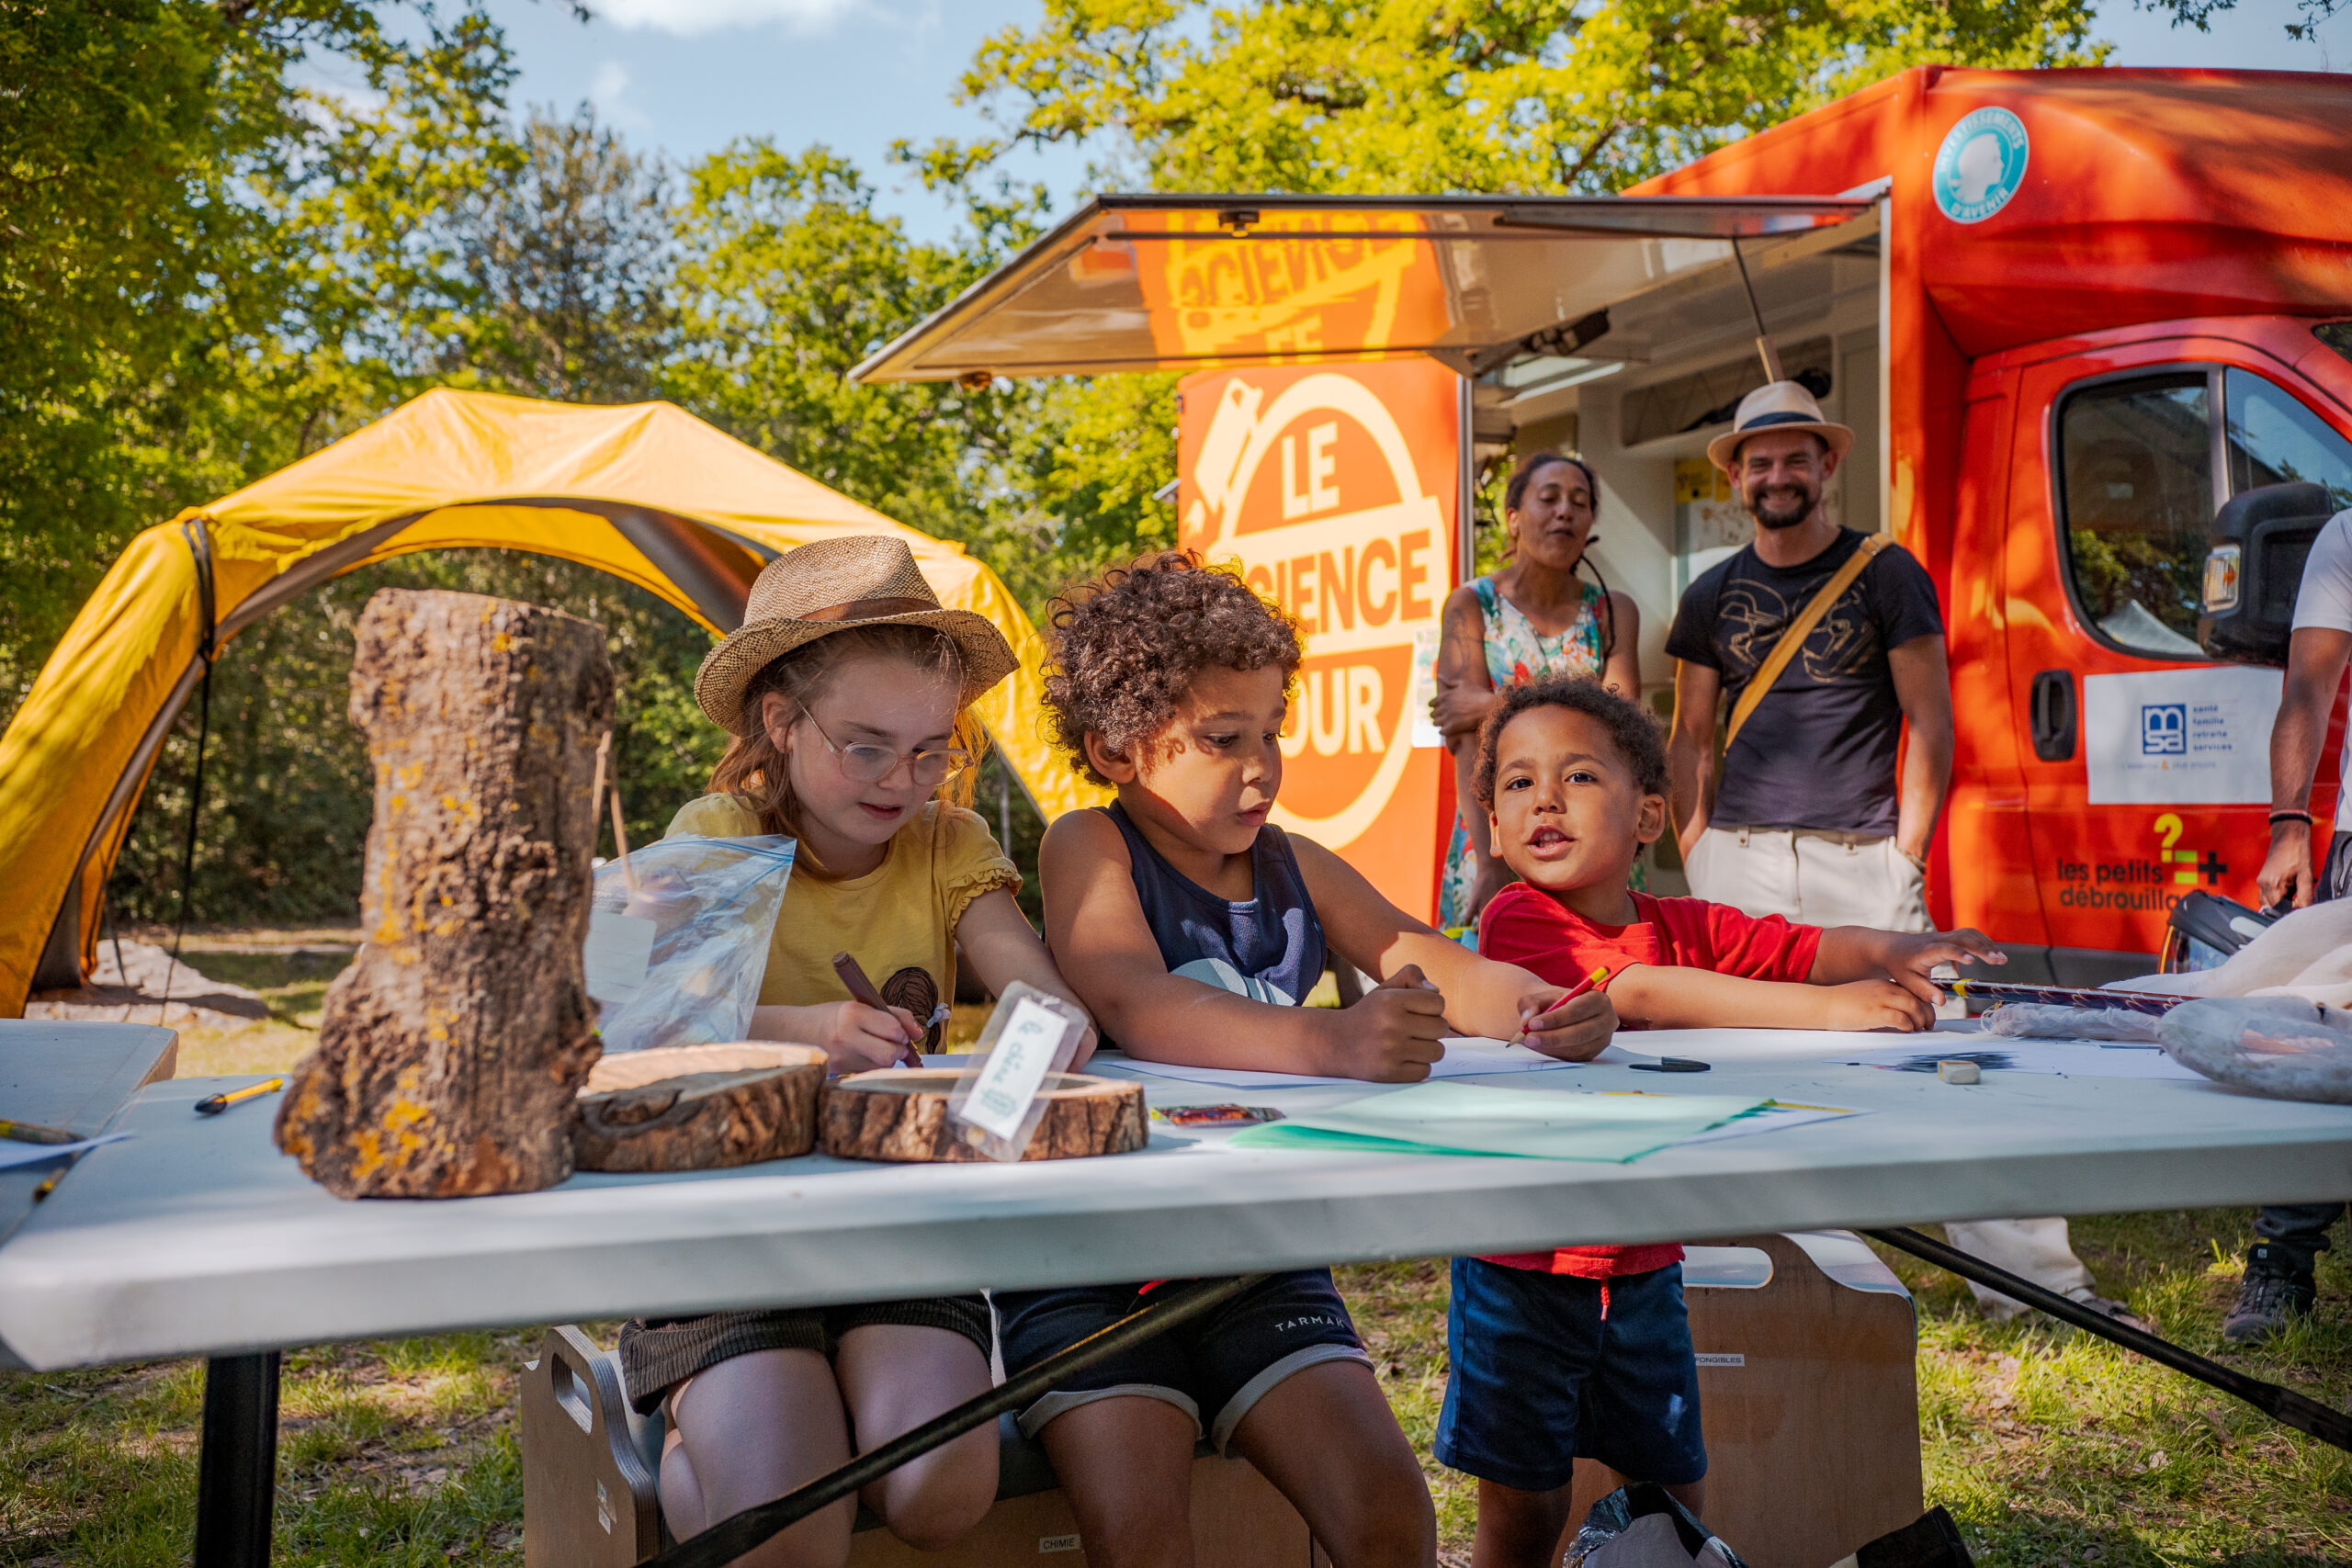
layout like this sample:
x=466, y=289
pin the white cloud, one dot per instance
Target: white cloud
x=690, y=19
x=608, y=94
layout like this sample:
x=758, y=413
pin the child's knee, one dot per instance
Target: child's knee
x=1393, y=1525
x=933, y=1501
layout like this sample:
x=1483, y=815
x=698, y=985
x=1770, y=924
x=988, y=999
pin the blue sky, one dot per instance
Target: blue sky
x=688, y=76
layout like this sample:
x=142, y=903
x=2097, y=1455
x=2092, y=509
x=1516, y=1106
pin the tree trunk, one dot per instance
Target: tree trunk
x=700, y=1107
x=901, y=1114
x=453, y=1049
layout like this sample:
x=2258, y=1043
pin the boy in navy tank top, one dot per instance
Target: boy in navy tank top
x=1192, y=929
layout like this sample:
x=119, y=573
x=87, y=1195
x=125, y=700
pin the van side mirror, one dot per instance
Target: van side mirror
x=2260, y=540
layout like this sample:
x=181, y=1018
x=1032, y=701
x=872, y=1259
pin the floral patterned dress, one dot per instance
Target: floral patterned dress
x=1517, y=653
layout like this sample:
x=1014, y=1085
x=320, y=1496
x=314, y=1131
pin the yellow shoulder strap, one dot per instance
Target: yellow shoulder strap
x=1799, y=629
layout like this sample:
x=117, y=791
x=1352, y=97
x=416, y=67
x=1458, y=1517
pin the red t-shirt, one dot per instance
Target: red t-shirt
x=1527, y=926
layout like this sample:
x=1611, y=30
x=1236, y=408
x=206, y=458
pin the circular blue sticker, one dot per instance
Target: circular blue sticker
x=1980, y=165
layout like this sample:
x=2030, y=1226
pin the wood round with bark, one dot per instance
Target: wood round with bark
x=700, y=1107
x=900, y=1114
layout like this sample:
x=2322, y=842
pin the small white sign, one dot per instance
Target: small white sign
x=1057, y=1543
x=1009, y=1080
x=1423, y=691
x=619, y=950
x=2180, y=736
x=1720, y=1359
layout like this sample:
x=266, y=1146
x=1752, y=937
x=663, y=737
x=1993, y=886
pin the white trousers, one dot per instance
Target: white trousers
x=1822, y=878
x=1811, y=876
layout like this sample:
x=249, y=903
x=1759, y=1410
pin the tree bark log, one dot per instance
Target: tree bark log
x=901, y=1114
x=453, y=1049
x=700, y=1107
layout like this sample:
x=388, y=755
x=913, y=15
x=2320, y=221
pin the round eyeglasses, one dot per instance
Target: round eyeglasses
x=870, y=764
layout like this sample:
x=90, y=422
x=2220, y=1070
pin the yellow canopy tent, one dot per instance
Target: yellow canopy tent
x=646, y=492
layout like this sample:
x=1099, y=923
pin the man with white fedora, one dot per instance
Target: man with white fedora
x=1806, y=817
x=1827, y=642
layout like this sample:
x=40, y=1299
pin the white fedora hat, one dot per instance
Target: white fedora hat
x=1777, y=405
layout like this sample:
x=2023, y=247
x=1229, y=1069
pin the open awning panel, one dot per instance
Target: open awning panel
x=1197, y=282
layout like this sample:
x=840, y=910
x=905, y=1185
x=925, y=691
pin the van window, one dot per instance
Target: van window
x=2273, y=439
x=2136, y=467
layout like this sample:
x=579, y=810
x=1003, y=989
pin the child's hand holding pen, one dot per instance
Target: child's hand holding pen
x=870, y=1001
x=1573, y=1024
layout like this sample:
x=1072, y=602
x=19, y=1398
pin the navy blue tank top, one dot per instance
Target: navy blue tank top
x=1269, y=949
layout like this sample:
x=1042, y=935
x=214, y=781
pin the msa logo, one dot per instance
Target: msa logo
x=2163, y=730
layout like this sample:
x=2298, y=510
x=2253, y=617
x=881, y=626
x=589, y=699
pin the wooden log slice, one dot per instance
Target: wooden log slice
x=900, y=1114
x=698, y=1107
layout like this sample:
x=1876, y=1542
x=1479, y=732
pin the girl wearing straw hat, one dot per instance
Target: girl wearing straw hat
x=846, y=693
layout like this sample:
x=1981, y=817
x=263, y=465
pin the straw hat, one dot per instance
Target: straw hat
x=1777, y=405
x=863, y=580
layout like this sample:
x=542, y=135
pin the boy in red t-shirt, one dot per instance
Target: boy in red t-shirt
x=1585, y=1351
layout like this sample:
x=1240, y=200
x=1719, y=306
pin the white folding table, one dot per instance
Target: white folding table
x=195, y=1239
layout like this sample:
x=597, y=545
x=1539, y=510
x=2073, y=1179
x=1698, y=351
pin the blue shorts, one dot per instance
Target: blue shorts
x=1214, y=1366
x=1541, y=1379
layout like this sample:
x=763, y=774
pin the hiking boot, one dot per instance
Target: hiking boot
x=2274, y=1294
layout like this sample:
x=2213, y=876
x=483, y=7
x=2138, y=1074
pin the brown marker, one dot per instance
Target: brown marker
x=863, y=990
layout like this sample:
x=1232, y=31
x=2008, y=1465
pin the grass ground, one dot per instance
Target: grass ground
x=2051, y=1448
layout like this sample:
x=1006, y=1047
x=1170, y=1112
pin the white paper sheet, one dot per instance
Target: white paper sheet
x=13, y=1153
x=1465, y=1058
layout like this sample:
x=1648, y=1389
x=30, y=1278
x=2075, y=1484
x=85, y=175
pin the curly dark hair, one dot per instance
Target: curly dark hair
x=1633, y=730
x=1124, y=649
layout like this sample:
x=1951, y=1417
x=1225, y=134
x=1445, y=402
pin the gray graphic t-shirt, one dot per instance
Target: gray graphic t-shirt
x=1819, y=750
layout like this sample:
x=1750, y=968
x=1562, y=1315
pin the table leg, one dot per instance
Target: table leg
x=730, y=1537
x=2281, y=1404
x=236, y=1470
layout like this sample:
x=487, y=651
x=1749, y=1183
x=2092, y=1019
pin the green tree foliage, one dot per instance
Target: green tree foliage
x=1535, y=95
x=160, y=312
x=207, y=271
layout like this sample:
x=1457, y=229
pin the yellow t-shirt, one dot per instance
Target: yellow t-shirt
x=899, y=915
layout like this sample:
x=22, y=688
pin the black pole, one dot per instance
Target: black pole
x=731, y=1537
x=236, y=1469
x=2281, y=1404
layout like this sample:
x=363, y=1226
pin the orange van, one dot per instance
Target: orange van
x=2069, y=314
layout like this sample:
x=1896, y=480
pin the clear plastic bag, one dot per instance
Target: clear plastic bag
x=2042, y=1020
x=712, y=904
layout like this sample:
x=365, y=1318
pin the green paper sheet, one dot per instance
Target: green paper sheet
x=1468, y=1118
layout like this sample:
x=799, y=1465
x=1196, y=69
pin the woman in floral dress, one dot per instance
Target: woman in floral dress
x=1535, y=619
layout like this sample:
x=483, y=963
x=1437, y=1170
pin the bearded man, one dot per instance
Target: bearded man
x=1808, y=819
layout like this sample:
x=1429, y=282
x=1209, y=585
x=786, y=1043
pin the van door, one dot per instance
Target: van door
x=2147, y=771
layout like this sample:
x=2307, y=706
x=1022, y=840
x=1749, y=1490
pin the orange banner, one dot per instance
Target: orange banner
x=1333, y=278
x=1334, y=488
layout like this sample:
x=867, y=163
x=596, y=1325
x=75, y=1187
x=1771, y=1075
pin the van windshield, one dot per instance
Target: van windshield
x=2275, y=440
x=2137, y=477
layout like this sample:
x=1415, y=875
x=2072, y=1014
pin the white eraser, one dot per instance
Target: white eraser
x=1959, y=1072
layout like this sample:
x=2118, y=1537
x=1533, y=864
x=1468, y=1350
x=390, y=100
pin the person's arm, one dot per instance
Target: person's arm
x=1701, y=998
x=1479, y=997
x=1002, y=947
x=1690, y=749
x=1095, y=926
x=1623, y=674
x=2315, y=661
x=1466, y=696
x=1864, y=952
x=1923, y=688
